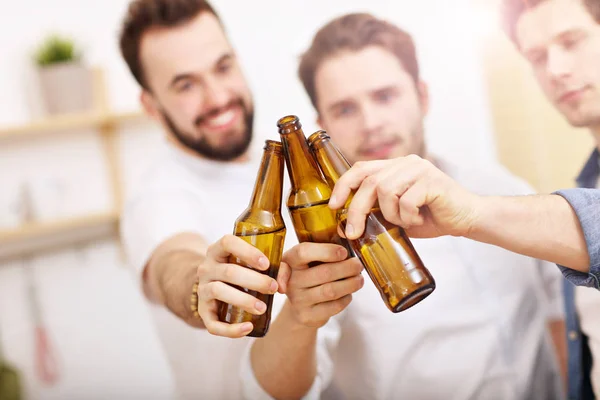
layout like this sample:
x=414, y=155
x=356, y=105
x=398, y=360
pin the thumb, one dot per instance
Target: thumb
x=283, y=277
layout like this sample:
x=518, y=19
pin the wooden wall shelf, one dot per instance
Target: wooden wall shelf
x=40, y=236
x=89, y=120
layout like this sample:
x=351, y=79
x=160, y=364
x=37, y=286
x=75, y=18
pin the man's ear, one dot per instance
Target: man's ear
x=423, y=93
x=149, y=104
x=320, y=121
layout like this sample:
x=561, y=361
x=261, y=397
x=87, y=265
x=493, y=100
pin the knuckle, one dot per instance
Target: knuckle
x=227, y=241
x=229, y=272
x=249, y=303
x=303, y=252
x=327, y=291
x=405, y=203
x=392, y=215
x=372, y=181
x=414, y=158
x=211, y=327
x=211, y=248
x=356, y=265
x=285, y=257
x=427, y=163
x=202, y=269
x=354, y=213
x=325, y=273
x=212, y=290
x=359, y=165
x=385, y=190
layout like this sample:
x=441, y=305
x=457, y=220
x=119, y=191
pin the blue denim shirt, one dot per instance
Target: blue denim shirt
x=586, y=204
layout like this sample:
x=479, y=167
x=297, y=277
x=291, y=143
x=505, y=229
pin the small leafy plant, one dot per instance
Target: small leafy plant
x=56, y=49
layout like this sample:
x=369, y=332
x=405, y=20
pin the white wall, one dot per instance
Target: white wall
x=95, y=314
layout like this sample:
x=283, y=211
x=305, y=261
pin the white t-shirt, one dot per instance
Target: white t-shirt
x=482, y=334
x=183, y=193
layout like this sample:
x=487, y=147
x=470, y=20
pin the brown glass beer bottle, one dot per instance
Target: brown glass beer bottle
x=262, y=226
x=384, y=249
x=309, y=196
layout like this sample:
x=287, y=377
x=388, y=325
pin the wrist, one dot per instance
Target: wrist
x=482, y=210
x=176, y=281
x=294, y=324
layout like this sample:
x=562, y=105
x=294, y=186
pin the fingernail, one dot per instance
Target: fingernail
x=274, y=286
x=349, y=230
x=342, y=253
x=332, y=200
x=260, y=306
x=246, y=327
x=264, y=262
x=362, y=280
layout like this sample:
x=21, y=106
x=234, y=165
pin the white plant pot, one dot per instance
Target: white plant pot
x=66, y=88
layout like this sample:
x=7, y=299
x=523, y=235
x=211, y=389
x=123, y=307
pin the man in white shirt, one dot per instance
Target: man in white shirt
x=483, y=333
x=192, y=84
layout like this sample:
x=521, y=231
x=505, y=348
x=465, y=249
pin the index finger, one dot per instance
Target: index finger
x=230, y=245
x=352, y=179
x=233, y=331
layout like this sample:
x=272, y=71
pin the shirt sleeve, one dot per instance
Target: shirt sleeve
x=149, y=220
x=586, y=204
x=327, y=340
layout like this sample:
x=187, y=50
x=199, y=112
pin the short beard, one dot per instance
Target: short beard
x=203, y=148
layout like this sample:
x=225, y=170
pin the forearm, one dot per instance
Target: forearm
x=544, y=227
x=171, y=277
x=284, y=361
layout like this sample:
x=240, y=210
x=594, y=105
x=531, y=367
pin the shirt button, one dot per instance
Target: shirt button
x=572, y=335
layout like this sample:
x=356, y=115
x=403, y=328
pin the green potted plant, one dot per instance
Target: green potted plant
x=66, y=82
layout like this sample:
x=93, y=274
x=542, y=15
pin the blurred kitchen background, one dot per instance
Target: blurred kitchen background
x=73, y=142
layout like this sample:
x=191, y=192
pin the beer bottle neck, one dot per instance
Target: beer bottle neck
x=329, y=158
x=301, y=165
x=269, y=183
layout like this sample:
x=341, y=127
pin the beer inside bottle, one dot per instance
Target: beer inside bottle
x=271, y=244
x=309, y=195
x=384, y=249
x=261, y=225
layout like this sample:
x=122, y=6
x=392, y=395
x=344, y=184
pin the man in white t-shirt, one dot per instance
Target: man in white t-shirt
x=176, y=229
x=484, y=333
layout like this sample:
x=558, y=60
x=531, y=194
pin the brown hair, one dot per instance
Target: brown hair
x=143, y=15
x=354, y=32
x=513, y=9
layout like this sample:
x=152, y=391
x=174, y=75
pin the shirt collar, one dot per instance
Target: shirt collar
x=590, y=172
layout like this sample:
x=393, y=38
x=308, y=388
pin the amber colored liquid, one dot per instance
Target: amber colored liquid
x=317, y=223
x=392, y=262
x=271, y=244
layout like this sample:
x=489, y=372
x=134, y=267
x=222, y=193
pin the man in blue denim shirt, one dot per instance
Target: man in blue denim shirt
x=565, y=58
x=580, y=356
x=561, y=40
